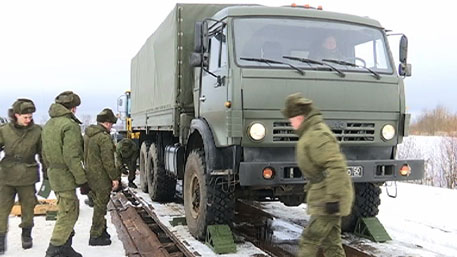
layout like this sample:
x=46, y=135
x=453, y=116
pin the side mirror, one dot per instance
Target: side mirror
x=404, y=69
x=201, y=37
x=403, y=49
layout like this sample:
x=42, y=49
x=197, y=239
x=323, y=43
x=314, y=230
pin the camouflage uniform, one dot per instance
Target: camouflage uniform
x=126, y=155
x=330, y=193
x=63, y=154
x=19, y=170
x=101, y=171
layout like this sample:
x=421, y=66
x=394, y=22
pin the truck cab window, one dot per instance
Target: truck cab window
x=373, y=52
x=218, y=51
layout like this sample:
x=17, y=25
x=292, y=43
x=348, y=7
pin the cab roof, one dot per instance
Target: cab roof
x=256, y=10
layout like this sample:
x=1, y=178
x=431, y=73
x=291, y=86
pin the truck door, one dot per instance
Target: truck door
x=214, y=82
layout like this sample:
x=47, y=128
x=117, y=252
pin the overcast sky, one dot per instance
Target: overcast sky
x=50, y=46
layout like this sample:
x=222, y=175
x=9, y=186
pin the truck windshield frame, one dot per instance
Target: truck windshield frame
x=275, y=37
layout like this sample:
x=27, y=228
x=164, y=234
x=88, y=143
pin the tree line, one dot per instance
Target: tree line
x=437, y=122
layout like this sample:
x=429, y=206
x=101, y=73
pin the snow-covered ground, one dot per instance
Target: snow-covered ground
x=42, y=231
x=420, y=221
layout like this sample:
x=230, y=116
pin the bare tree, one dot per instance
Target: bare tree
x=449, y=162
x=439, y=121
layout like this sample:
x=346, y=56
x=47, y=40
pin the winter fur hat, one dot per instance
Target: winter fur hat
x=106, y=115
x=296, y=105
x=23, y=106
x=68, y=99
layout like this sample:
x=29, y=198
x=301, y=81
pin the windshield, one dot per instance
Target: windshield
x=275, y=38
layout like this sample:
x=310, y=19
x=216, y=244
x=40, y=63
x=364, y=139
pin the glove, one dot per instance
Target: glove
x=84, y=188
x=332, y=208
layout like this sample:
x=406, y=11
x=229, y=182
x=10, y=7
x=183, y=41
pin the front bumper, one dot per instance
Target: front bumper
x=287, y=173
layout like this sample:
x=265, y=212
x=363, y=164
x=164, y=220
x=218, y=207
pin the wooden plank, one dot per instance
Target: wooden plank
x=130, y=248
x=135, y=231
x=40, y=209
x=146, y=241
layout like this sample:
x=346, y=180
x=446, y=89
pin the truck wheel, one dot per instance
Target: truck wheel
x=292, y=200
x=143, y=160
x=205, y=200
x=365, y=205
x=161, y=185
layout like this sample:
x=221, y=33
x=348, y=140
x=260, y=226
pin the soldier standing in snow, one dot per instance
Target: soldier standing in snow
x=102, y=173
x=330, y=194
x=21, y=142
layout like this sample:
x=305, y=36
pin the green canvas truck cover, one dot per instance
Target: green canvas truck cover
x=161, y=77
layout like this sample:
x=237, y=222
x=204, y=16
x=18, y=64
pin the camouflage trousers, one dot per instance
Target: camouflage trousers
x=131, y=165
x=322, y=232
x=67, y=215
x=27, y=199
x=100, y=198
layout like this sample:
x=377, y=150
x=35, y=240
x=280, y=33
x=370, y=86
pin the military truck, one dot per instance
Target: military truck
x=206, y=92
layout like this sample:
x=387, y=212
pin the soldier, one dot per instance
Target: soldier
x=63, y=155
x=21, y=141
x=330, y=192
x=126, y=155
x=102, y=173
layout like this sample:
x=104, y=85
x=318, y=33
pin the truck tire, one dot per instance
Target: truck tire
x=143, y=159
x=365, y=205
x=205, y=201
x=161, y=185
x=292, y=200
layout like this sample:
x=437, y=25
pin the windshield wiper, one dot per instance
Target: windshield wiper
x=269, y=61
x=375, y=74
x=310, y=61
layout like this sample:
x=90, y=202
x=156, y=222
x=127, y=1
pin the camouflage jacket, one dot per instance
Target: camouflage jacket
x=99, y=158
x=126, y=153
x=322, y=163
x=63, y=149
x=20, y=145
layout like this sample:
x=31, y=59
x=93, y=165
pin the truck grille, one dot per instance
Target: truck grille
x=344, y=131
x=283, y=132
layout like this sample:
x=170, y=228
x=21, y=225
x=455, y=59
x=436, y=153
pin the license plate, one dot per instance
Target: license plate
x=355, y=171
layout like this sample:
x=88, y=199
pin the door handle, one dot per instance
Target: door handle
x=203, y=98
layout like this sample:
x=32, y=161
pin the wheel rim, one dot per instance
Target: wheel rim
x=151, y=171
x=195, y=196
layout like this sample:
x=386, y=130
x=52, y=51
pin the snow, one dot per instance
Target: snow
x=42, y=231
x=166, y=212
x=422, y=216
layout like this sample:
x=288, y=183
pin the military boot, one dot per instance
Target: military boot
x=55, y=251
x=132, y=184
x=103, y=239
x=27, y=238
x=69, y=251
x=105, y=233
x=2, y=243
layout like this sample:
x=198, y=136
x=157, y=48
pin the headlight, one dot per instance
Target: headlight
x=257, y=131
x=388, y=132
